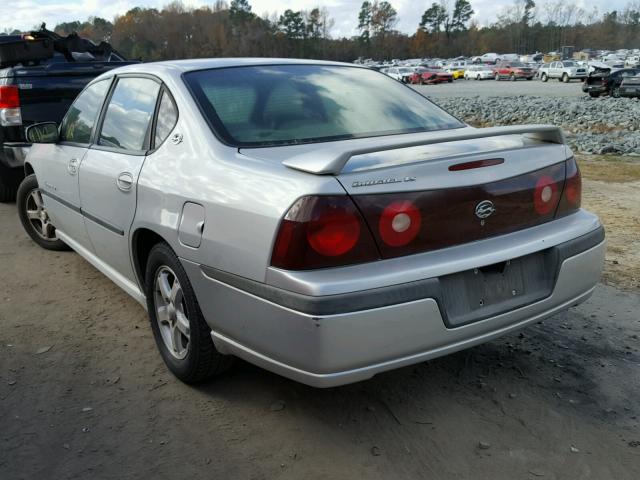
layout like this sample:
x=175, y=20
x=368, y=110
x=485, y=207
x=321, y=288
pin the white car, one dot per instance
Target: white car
x=478, y=72
x=401, y=74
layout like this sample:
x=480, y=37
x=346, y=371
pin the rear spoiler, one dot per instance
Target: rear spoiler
x=332, y=159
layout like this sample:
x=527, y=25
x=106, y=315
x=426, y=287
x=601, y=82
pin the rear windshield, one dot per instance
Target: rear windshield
x=290, y=104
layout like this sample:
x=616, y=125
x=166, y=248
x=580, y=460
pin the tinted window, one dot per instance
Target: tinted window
x=81, y=117
x=287, y=104
x=128, y=118
x=167, y=118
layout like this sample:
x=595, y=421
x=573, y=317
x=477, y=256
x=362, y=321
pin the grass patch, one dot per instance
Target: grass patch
x=609, y=168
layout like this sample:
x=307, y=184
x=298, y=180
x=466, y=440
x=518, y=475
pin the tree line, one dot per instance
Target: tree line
x=446, y=29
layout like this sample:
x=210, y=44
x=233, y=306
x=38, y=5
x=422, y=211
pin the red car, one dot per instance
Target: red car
x=429, y=76
x=513, y=71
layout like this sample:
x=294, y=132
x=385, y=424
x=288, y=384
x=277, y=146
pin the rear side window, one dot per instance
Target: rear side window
x=290, y=104
x=79, y=121
x=167, y=118
x=127, y=121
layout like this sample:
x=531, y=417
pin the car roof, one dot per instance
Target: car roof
x=182, y=66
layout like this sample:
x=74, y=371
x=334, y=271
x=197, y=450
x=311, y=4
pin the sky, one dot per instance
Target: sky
x=26, y=14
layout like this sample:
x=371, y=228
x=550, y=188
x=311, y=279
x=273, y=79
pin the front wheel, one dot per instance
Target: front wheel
x=181, y=333
x=34, y=217
x=565, y=78
x=544, y=77
x=478, y=77
x=512, y=78
x=615, y=92
x=497, y=76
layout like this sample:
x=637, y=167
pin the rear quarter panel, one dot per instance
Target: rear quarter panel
x=244, y=199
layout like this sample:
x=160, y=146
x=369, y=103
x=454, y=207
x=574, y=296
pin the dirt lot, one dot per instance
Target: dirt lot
x=84, y=395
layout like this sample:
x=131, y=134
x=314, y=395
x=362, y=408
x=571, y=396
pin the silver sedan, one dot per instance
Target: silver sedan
x=318, y=219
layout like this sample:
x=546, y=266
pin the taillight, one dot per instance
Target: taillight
x=10, y=114
x=322, y=231
x=545, y=195
x=572, y=193
x=399, y=223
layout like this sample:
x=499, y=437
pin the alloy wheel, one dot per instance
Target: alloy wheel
x=171, y=313
x=38, y=216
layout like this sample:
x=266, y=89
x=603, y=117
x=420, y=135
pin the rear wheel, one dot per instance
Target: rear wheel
x=512, y=77
x=181, y=333
x=497, y=76
x=34, y=217
x=544, y=77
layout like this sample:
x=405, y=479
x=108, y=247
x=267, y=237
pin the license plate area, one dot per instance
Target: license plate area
x=484, y=292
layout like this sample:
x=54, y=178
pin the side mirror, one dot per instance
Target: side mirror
x=46, y=132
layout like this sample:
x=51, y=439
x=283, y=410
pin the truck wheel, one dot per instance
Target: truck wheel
x=544, y=77
x=565, y=78
x=181, y=333
x=10, y=179
x=34, y=218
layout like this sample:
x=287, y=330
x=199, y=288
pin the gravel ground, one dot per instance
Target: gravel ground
x=592, y=125
x=83, y=393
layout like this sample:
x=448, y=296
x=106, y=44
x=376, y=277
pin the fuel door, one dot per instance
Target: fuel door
x=191, y=225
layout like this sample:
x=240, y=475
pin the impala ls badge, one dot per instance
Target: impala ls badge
x=485, y=209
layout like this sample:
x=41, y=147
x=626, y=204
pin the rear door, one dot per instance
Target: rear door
x=58, y=170
x=110, y=169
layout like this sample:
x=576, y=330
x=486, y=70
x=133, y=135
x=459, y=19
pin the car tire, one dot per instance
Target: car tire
x=34, y=218
x=594, y=94
x=529, y=78
x=512, y=77
x=497, y=76
x=544, y=77
x=175, y=316
x=450, y=80
x=565, y=78
x=478, y=78
x=615, y=92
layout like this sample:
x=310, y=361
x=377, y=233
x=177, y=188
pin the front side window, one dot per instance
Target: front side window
x=127, y=121
x=78, y=123
x=289, y=104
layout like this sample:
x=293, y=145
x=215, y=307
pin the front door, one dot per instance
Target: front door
x=58, y=170
x=110, y=169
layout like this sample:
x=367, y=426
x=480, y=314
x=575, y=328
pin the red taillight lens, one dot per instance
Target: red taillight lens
x=572, y=193
x=9, y=96
x=322, y=231
x=545, y=195
x=334, y=233
x=399, y=223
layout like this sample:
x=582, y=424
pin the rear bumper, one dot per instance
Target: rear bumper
x=330, y=341
x=594, y=88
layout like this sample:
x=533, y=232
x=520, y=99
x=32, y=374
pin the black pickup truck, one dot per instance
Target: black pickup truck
x=41, y=73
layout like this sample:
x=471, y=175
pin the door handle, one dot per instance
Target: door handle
x=125, y=181
x=72, y=166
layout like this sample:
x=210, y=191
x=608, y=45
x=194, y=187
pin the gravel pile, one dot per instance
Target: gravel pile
x=592, y=125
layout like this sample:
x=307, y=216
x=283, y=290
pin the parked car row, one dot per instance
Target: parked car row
x=617, y=84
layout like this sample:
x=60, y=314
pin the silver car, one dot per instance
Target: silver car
x=317, y=219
